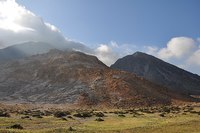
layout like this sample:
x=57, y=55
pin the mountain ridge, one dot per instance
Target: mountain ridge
x=77, y=78
x=160, y=72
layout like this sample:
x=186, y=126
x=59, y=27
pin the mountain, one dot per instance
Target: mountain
x=79, y=79
x=24, y=50
x=30, y=48
x=160, y=72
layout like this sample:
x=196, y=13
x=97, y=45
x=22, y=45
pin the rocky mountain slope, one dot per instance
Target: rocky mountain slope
x=160, y=72
x=76, y=78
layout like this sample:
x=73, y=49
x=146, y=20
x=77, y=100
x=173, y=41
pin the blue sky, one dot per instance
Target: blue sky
x=139, y=22
x=167, y=29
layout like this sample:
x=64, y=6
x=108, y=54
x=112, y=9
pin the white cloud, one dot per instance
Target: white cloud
x=177, y=47
x=106, y=54
x=152, y=50
x=198, y=39
x=21, y=25
x=194, y=59
x=11, y=16
x=180, y=51
x=17, y=24
x=109, y=53
x=114, y=44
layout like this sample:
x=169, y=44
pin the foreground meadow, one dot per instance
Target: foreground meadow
x=169, y=119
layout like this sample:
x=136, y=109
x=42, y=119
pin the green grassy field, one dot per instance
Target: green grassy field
x=184, y=120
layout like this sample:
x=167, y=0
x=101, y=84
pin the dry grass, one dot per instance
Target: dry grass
x=182, y=121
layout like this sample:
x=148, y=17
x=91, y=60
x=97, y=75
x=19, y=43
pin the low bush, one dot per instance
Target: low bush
x=99, y=119
x=71, y=129
x=63, y=118
x=162, y=115
x=4, y=114
x=47, y=113
x=166, y=109
x=16, y=126
x=37, y=116
x=25, y=117
x=61, y=114
x=70, y=117
x=195, y=112
x=121, y=115
x=99, y=114
x=83, y=114
x=120, y=112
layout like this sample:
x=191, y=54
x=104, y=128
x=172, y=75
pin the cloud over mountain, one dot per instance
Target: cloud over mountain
x=21, y=25
x=110, y=52
x=178, y=47
x=106, y=54
x=181, y=51
x=195, y=58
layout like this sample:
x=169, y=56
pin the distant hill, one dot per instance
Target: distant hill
x=24, y=50
x=76, y=78
x=30, y=48
x=160, y=72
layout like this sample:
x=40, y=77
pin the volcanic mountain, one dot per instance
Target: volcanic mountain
x=76, y=78
x=160, y=72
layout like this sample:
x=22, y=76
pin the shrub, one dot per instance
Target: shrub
x=61, y=114
x=37, y=116
x=83, y=114
x=70, y=117
x=71, y=129
x=25, y=117
x=190, y=108
x=120, y=112
x=195, y=112
x=121, y=115
x=63, y=118
x=166, y=109
x=78, y=115
x=16, y=126
x=99, y=119
x=134, y=115
x=86, y=114
x=37, y=112
x=162, y=115
x=99, y=114
x=26, y=112
x=137, y=114
x=47, y=113
x=4, y=114
x=184, y=114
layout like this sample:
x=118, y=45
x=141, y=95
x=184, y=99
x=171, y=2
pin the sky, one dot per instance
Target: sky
x=167, y=29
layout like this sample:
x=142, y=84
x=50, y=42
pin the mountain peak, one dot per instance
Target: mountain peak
x=139, y=53
x=159, y=72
